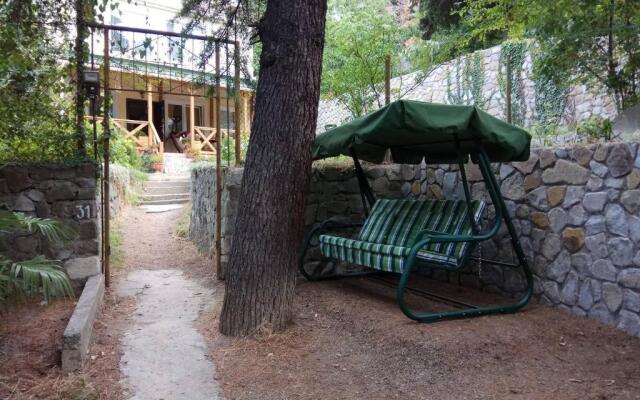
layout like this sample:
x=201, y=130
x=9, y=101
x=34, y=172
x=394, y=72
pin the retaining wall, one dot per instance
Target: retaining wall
x=57, y=191
x=576, y=211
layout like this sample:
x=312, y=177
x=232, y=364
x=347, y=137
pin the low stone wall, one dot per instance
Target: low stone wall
x=575, y=211
x=57, y=191
x=203, y=206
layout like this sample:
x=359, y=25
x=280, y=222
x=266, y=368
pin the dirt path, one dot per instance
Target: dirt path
x=348, y=341
x=148, y=330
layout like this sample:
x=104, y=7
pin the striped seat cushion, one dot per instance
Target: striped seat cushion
x=387, y=235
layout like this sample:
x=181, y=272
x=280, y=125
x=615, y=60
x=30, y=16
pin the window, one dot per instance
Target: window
x=228, y=119
x=175, y=46
x=174, y=118
x=197, y=111
x=118, y=42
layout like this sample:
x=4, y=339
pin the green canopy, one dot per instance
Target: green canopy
x=414, y=130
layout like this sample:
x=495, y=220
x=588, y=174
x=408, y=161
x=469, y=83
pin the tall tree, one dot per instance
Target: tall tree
x=594, y=41
x=260, y=277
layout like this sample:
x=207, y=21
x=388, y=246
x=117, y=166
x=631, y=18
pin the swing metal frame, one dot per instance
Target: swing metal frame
x=426, y=237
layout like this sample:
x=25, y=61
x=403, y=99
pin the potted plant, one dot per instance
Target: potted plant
x=156, y=162
x=193, y=151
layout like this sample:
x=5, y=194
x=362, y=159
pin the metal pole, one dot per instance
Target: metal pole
x=105, y=179
x=387, y=79
x=236, y=92
x=219, y=271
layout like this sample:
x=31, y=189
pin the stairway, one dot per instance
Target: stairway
x=163, y=189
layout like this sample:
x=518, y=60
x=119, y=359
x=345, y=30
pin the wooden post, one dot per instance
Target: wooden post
x=387, y=96
x=236, y=85
x=192, y=122
x=387, y=79
x=150, y=116
x=508, y=88
x=105, y=178
x=219, y=271
x=246, y=114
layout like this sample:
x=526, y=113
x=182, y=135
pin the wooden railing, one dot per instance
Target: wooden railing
x=206, y=136
x=149, y=142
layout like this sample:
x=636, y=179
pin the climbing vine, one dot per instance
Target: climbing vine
x=551, y=94
x=467, y=84
x=512, y=57
x=474, y=78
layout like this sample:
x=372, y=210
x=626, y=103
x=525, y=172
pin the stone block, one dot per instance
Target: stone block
x=87, y=230
x=82, y=267
x=77, y=334
x=630, y=278
x=631, y=300
x=603, y=270
x=581, y=154
x=573, y=239
x=594, y=183
x=634, y=229
x=35, y=195
x=537, y=198
x=23, y=204
x=619, y=160
x=551, y=290
x=595, y=224
x=601, y=152
x=532, y=181
x=585, y=296
x=612, y=296
x=61, y=190
x=569, y=292
x=555, y=195
x=594, y=202
x=27, y=244
x=616, y=220
x=601, y=313
x=558, y=219
x=599, y=169
x=526, y=167
x=566, y=172
x=629, y=322
x=597, y=245
x=633, y=179
x=16, y=177
x=512, y=188
x=558, y=269
x=630, y=199
x=621, y=251
x=547, y=158
x=577, y=215
x=581, y=262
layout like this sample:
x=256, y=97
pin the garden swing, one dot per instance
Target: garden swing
x=400, y=235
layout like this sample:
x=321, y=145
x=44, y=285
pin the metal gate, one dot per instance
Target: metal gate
x=160, y=63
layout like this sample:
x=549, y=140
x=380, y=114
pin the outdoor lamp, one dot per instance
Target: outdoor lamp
x=91, y=83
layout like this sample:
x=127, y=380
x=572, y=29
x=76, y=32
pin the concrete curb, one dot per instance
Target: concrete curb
x=77, y=334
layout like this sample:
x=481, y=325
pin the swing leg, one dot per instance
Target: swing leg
x=317, y=231
x=464, y=313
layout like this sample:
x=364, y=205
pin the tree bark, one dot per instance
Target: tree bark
x=261, y=273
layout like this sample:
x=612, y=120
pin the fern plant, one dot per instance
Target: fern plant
x=39, y=275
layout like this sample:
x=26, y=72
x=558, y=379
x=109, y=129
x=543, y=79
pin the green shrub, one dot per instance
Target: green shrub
x=596, y=128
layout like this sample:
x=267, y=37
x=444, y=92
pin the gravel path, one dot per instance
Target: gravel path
x=164, y=356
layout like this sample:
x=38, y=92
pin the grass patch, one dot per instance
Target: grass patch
x=138, y=179
x=182, y=227
x=79, y=389
x=115, y=243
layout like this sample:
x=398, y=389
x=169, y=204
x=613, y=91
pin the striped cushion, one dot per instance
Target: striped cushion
x=386, y=237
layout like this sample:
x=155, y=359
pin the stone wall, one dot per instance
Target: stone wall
x=441, y=86
x=57, y=191
x=203, y=204
x=575, y=210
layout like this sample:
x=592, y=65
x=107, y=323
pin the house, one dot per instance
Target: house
x=163, y=85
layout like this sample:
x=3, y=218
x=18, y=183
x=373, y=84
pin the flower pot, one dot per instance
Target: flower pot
x=157, y=166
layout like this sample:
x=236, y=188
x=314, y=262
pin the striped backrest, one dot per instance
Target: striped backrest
x=397, y=222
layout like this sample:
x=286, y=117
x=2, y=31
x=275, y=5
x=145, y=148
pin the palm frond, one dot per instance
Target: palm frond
x=52, y=230
x=36, y=276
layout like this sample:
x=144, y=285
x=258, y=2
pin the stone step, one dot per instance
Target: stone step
x=163, y=202
x=167, y=189
x=168, y=196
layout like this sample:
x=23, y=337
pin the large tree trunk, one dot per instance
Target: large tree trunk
x=261, y=273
